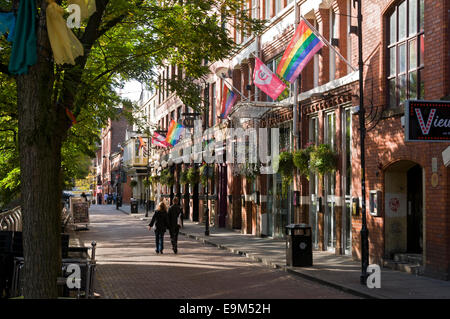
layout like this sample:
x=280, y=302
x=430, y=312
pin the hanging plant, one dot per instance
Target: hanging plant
x=133, y=183
x=323, y=159
x=147, y=183
x=301, y=160
x=167, y=177
x=206, y=172
x=183, y=177
x=193, y=176
x=286, y=169
x=250, y=171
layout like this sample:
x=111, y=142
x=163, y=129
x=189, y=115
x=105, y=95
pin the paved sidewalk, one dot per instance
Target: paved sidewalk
x=340, y=272
x=128, y=266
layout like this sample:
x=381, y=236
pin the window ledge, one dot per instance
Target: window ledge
x=393, y=112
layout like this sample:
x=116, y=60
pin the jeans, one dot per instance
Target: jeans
x=159, y=237
x=174, y=237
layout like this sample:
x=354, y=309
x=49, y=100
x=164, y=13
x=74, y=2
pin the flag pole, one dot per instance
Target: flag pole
x=295, y=110
x=225, y=80
x=317, y=33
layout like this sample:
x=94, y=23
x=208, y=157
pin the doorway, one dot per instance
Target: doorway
x=415, y=215
x=404, y=209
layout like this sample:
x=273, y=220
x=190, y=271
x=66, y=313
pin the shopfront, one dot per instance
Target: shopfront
x=280, y=211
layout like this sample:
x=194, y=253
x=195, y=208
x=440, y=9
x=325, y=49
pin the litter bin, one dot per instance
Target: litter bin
x=118, y=202
x=298, y=245
x=134, y=206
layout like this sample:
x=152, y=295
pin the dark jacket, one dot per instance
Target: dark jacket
x=174, y=212
x=161, y=220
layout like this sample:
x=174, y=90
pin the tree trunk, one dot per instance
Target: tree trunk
x=40, y=138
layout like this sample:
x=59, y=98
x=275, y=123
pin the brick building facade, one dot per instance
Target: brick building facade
x=406, y=54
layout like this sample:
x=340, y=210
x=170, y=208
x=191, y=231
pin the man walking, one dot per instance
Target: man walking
x=175, y=222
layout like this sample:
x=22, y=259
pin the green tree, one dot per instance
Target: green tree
x=122, y=40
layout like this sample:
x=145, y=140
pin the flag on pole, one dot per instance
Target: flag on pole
x=159, y=140
x=266, y=81
x=299, y=52
x=229, y=98
x=174, y=132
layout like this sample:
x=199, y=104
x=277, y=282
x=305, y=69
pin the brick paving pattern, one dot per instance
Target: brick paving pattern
x=128, y=267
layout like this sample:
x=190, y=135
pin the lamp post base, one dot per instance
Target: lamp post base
x=364, y=254
x=207, y=222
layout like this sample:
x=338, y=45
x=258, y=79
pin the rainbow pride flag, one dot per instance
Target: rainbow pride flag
x=228, y=100
x=174, y=132
x=299, y=52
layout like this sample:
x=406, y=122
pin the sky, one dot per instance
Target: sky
x=131, y=90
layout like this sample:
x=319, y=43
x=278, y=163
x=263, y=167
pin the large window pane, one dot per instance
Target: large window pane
x=392, y=93
x=277, y=6
x=421, y=51
x=393, y=61
x=402, y=21
x=421, y=86
x=413, y=54
x=402, y=88
x=393, y=27
x=421, y=14
x=267, y=7
x=413, y=85
x=412, y=17
x=402, y=58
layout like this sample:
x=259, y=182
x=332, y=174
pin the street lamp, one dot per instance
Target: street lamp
x=189, y=123
x=362, y=130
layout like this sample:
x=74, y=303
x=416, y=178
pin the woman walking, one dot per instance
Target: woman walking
x=161, y=221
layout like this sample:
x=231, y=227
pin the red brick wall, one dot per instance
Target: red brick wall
x=385, y=142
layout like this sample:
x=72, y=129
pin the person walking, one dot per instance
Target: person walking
x=175, y=223
x=161, y=221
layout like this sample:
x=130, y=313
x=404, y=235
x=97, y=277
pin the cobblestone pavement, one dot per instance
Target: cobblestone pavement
x=128, y=266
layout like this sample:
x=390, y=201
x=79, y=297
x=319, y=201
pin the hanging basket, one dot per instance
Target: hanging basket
x=301, y=160
x=167, y=177
x=251, y=171
x=146, y=182
x=206, y=172
x=133, y=183
x=193, y=176
x=286, y=169
x=323, y=159
x=184, y=177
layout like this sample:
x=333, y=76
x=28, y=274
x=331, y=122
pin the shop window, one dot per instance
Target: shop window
x=405, y=51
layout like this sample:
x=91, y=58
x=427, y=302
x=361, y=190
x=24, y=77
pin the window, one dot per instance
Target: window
x=316, y=62
x=246, y=34
x=213, y=104
x=314, y=130
x=333, y=35
x=267, y=9
x=285, y=137
x=238, y=33
x=206, y=102
x=179, y=114
x=405, y=52
x=278, y=6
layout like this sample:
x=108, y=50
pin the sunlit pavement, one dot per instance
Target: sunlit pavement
x=128, y=266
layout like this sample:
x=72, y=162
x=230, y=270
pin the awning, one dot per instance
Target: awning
x=255, y=109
